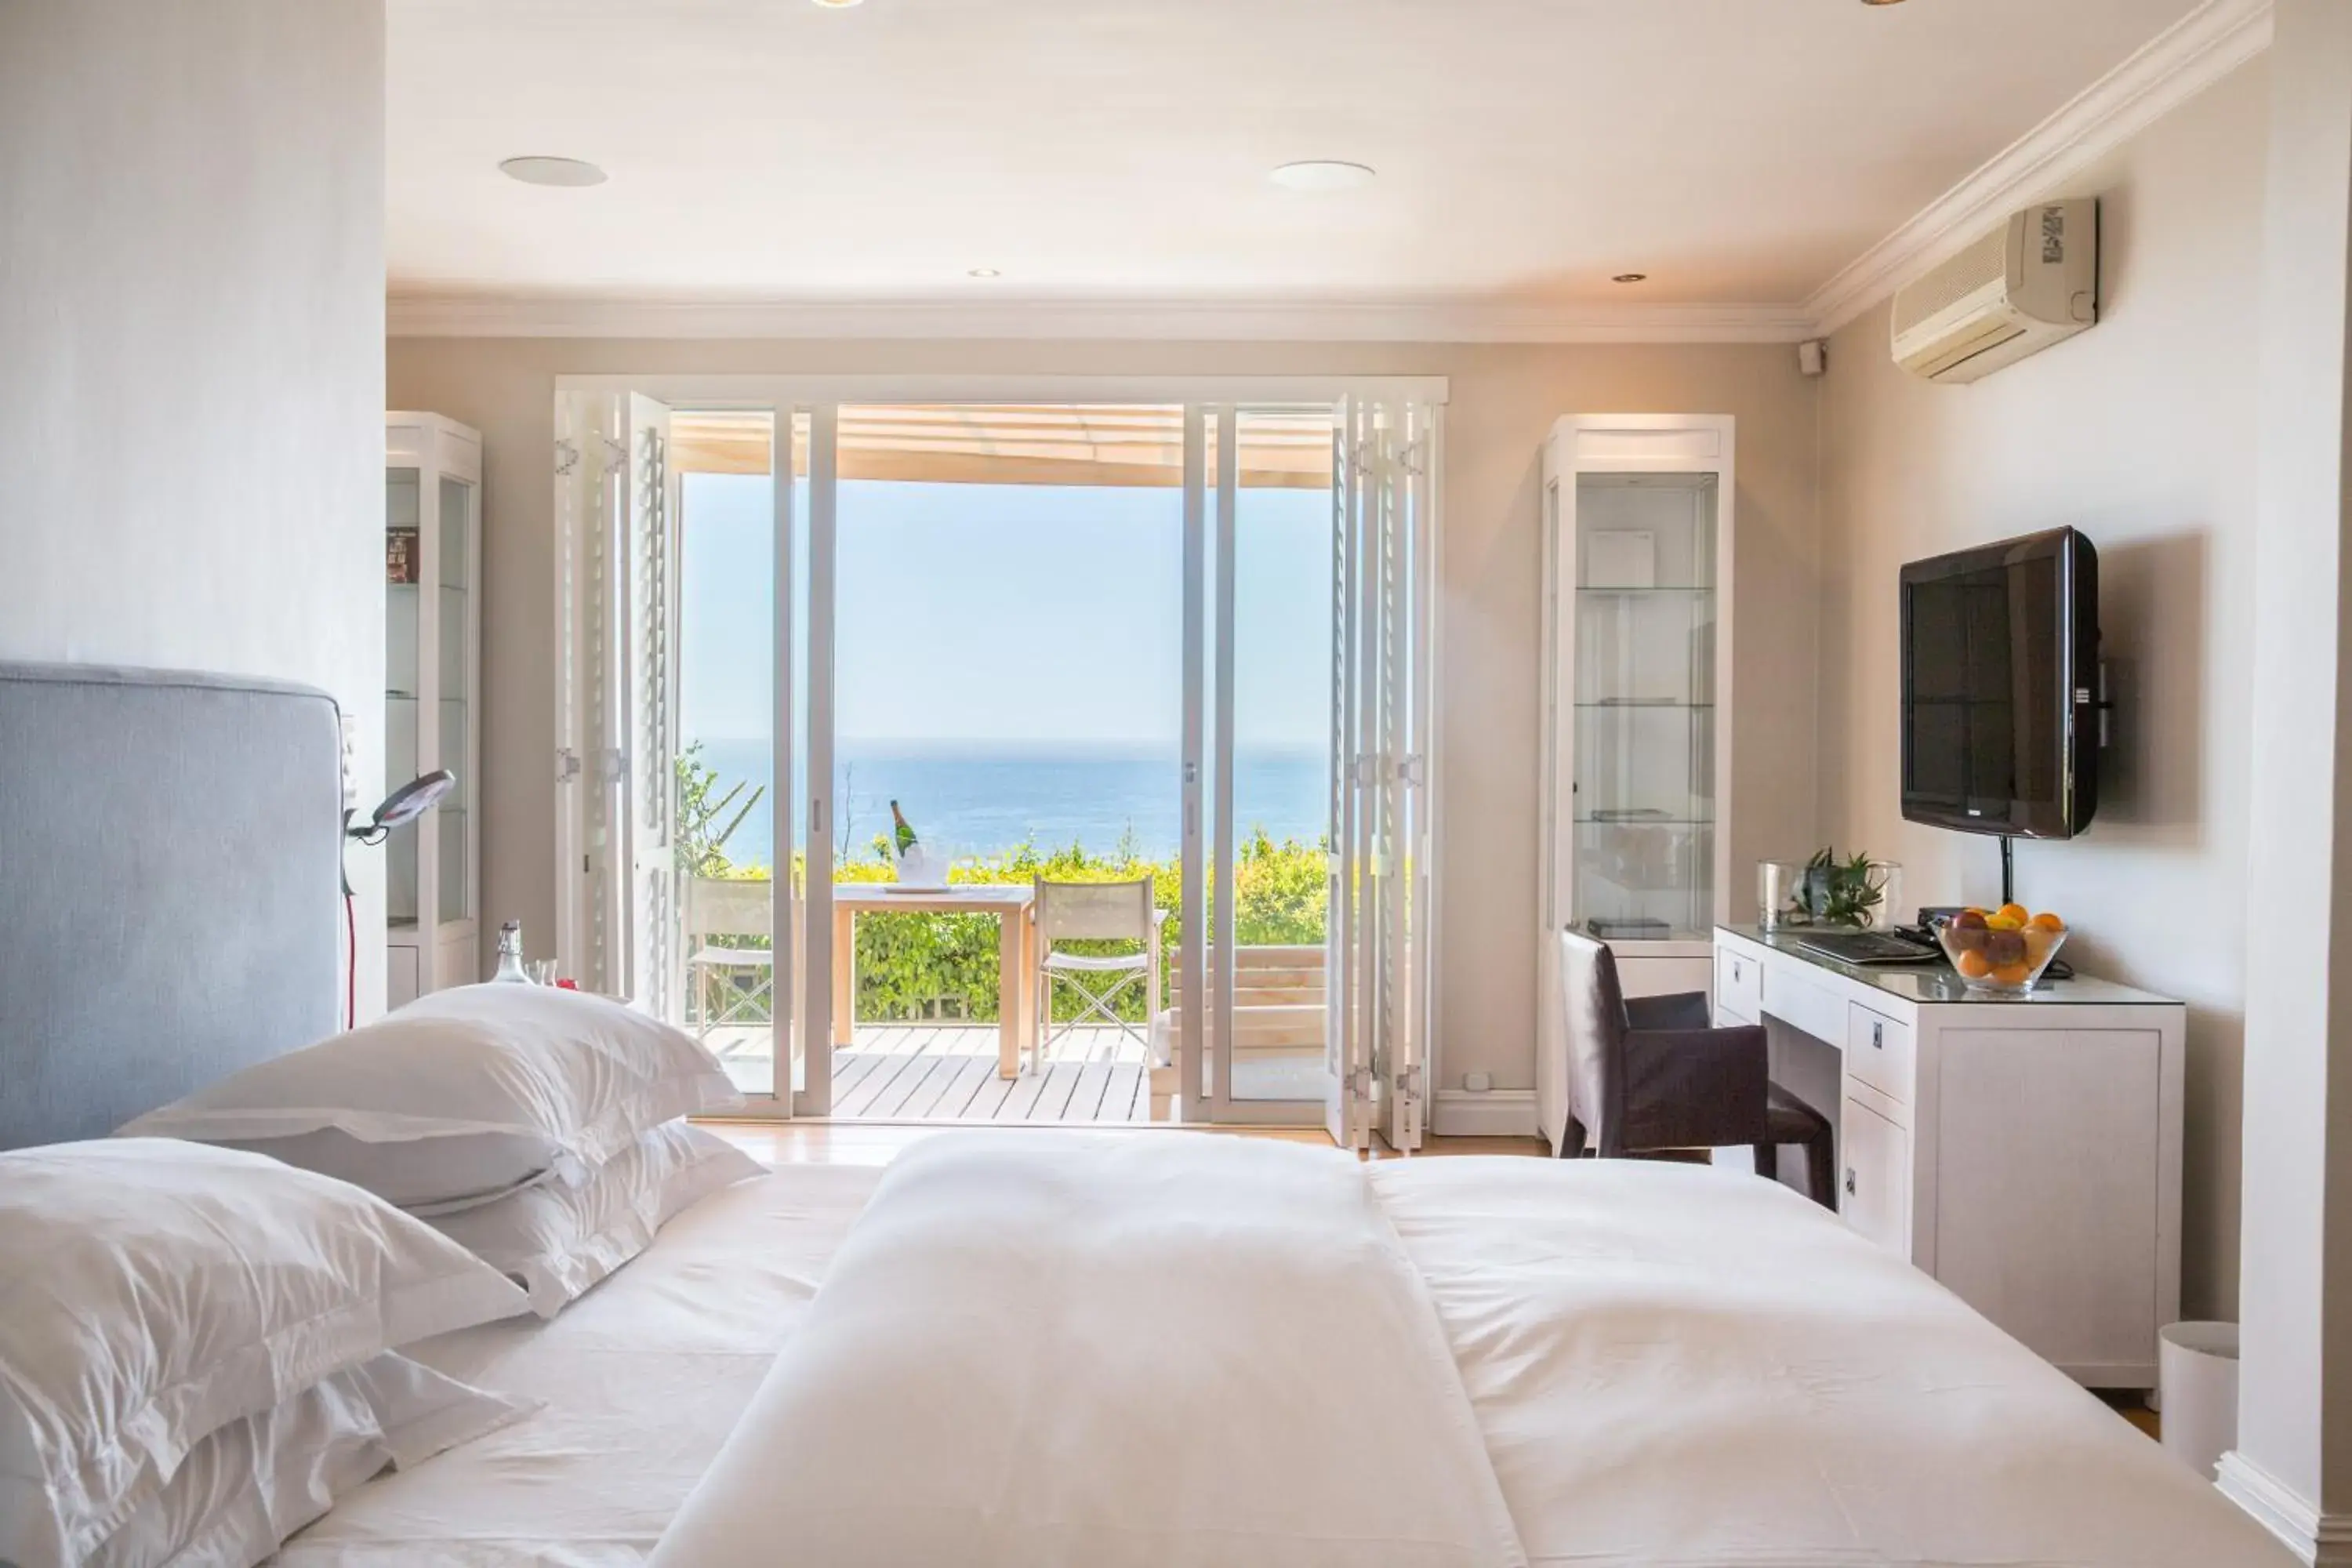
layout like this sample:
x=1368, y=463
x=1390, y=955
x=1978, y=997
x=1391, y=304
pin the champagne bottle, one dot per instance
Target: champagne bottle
x=906, y=833
x=511, y=968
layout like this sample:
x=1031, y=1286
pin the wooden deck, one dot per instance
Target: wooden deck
x=947, y=1072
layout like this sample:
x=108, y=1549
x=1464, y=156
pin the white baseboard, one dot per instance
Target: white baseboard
x=1484, y=1113
x=2324, y=1541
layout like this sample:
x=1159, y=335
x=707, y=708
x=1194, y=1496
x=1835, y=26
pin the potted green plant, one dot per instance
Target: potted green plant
x=1843, y=892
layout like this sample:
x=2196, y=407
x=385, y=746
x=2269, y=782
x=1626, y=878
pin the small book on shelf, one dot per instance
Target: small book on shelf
x=399, y=555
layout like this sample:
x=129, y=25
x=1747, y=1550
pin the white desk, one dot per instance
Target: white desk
x=2025, y=1151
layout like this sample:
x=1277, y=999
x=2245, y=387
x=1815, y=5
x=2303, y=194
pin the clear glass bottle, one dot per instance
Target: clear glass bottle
x=511, y=968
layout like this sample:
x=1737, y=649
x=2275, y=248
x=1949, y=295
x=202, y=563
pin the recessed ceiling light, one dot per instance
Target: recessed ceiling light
x=534, y=170
x=983, y=272
x=1630, y=277
x=839, y=5
x=1322, y=174
x=1882, y=2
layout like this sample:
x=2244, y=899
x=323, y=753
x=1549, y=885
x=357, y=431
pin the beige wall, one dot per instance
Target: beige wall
x=192, y=346
x=1504, y=400
x=2141, y=433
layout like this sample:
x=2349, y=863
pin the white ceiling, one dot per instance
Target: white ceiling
x=1737, y=150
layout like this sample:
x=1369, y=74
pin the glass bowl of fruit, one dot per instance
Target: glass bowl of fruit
x=2003, y=949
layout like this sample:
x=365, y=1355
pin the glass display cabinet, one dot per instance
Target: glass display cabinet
x=432, y=567
x=1637, y=546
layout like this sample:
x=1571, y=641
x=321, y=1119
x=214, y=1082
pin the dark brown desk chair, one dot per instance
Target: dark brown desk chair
x=1652, y=1074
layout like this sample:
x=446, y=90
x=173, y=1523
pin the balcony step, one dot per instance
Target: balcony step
x=1276, y=1028
x=1298, y=956
x=1265, y=976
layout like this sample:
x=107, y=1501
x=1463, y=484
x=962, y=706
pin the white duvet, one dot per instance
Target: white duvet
x=1058, y=1349
x=1036, y=1349
x=1676, y=1366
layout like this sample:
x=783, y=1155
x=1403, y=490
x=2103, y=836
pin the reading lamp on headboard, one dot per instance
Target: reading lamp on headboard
x=403, y=805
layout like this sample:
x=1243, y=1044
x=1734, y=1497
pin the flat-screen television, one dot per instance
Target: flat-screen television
x=2001, y=649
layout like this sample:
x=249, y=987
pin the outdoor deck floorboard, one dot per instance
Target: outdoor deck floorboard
x=947, y=1072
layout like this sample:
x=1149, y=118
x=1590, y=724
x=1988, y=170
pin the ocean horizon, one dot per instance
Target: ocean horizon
x=976, y=798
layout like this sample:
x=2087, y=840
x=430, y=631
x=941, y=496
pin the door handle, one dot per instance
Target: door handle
x=1878, y=1036
x=1849, y=1181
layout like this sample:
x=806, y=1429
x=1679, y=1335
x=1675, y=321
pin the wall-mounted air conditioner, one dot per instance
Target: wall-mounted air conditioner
x=2022, y=286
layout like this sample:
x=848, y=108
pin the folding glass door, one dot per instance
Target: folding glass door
x=680, y=803
x=1331, y=1019
x=698, y=725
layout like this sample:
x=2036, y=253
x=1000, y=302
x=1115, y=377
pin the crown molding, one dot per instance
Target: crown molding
x=481, y=316
x=2185, y=60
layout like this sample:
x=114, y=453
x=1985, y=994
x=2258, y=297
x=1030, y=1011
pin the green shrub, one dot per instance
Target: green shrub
x=921, y=966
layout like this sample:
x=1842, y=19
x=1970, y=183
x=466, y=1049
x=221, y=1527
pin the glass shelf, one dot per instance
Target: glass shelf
x=432, y=533
x=1643, y=706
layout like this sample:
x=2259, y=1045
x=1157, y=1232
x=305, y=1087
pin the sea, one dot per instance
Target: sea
x=982, y=800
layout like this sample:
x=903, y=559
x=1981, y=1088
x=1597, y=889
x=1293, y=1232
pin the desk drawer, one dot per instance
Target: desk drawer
x=1793, y=995
x=1739, y=985
x=1879, y=1052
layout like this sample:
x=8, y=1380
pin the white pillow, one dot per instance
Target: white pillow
x=151, y=1291
x=560, y=1240
x=245, y=1489
x=462, y=1097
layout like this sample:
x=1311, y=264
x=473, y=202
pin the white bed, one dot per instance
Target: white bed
x=644, y=1378
x=1174, y=1349
x=1196, y=1350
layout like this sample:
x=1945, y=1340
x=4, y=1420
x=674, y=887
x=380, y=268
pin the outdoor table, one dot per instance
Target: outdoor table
x=1016, y=958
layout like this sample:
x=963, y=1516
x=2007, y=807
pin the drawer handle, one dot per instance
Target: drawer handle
x=1878, y=1036
x=1849, y=1181
x=1735, y=971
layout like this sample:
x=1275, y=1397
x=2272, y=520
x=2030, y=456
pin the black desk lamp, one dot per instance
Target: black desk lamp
x=403, y=805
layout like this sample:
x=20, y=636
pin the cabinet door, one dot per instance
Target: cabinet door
x=1877, y=1187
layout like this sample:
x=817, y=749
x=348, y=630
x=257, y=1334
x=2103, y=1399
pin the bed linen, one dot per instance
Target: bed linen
x=642, y=1378
x=248, y=1486
x=1167, y=1351
x=557, y=1241
x=1065, y=1349
x=461, y=1098
x=153, y=1291
x=1676, y=1366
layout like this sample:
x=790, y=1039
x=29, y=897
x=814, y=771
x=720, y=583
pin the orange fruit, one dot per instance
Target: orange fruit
x=2045, y=921
x=2012, y=973
x=2017, y=913
x=1974, y=964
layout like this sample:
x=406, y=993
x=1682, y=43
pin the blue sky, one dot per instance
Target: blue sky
x=1022, y=614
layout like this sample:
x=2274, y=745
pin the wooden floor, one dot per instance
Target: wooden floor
x=839, y=1142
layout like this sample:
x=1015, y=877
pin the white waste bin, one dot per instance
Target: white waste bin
x=2197, y=1376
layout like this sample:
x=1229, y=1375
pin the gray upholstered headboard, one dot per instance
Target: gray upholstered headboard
x=169, y=891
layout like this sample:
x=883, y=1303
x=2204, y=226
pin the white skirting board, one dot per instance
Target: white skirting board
x=1486, y=1113
x=2324, y=1541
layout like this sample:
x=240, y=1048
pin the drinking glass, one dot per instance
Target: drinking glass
x=541, y=970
